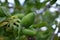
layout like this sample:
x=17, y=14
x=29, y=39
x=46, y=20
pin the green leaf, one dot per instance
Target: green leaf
x=19, y=15
x=53, y=1
x=3, y=24
x=17, y=5
x=29, y=32
x=39, y=25
x=17, y=2
x=4, y=12
x=2, y=19
x=23, y=37
x=15, y=30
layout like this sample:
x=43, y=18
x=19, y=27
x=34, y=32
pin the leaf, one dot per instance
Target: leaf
x=17, y=2
x=39, y=25
x=4, y=12
x=39, y=5
x=2, y=19
x=23, y=37
x=17, y=5
x=15, y=30
x=19, y=15
x=3, y=24
x=52, y=2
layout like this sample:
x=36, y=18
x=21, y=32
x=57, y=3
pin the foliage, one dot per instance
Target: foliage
x=24, y=23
